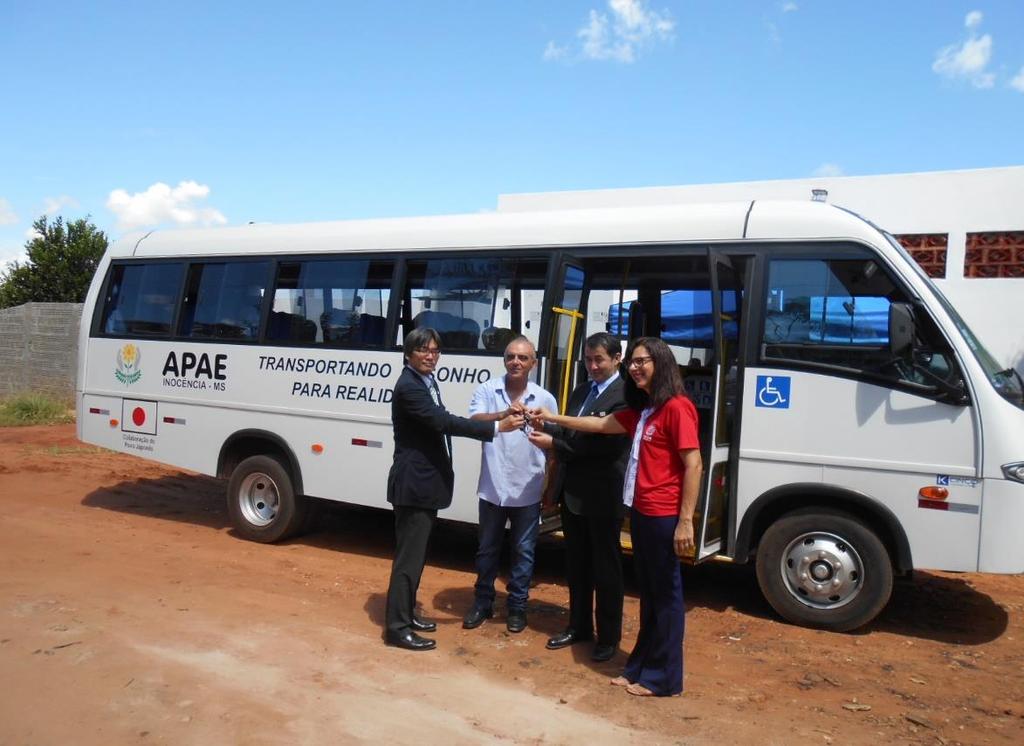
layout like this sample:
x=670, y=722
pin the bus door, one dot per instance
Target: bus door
x=564, y=309
x=727, y=305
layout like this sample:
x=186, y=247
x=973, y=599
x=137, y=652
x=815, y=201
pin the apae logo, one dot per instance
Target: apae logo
x=129, y=358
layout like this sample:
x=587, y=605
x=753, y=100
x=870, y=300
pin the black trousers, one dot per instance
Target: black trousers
x=412, y=535
x=594, y=571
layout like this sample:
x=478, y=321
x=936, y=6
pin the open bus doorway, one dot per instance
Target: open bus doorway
x=693, y=301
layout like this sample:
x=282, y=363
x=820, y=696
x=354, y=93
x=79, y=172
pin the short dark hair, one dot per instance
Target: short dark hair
x=419, y=337
x=666, y=381
x=609, y=342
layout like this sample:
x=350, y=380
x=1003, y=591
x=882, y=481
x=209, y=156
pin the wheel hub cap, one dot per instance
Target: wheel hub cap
x=822, y=570
x=258, y=499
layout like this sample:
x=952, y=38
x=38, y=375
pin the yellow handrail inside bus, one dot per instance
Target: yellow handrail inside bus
x=567, y=374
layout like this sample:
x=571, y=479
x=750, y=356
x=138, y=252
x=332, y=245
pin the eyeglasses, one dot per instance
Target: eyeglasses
x=428, y=351
x=638, y=362
x=513, y=356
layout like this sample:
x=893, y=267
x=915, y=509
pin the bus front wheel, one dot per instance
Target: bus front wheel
x=825, y=569
x=262, y=502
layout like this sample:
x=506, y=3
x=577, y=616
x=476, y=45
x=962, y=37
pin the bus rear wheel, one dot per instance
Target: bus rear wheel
x=262, y=502
x=825, y=569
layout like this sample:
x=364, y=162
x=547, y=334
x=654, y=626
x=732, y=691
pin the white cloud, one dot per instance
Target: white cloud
x=1018, y=81
x=53, y=205
x=7, y=214
x=619, y=34
x=10, y=254
x=790, y=7
x=968, y=59
x=828, y=169
x=555, y=52
x=164, y=204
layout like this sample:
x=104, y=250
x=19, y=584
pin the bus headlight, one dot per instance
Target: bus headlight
x=1014, y=471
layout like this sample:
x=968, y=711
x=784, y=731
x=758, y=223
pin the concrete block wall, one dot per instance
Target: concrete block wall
x=39, y=348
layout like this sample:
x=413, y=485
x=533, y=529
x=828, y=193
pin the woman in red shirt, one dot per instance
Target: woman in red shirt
x=661, y=486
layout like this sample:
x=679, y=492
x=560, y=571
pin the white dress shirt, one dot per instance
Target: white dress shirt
x=511, y=468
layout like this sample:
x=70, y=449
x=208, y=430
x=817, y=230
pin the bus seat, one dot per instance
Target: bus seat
x=456, y=333
x=290, y=327
x=371, y=329
x=303, y=329
x=496, y=338
x=439, y=321
x=338, y=325
x=115, y=323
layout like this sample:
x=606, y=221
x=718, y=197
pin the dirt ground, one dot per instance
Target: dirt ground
x=131, y=613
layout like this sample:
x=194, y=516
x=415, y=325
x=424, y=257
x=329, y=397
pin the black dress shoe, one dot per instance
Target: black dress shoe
x=475, y=617
x=565, y=639
x=409, y=640
x=603, y=653
x=423, y=625
x=516, y=621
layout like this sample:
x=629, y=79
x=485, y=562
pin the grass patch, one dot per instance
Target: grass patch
x=34, y=409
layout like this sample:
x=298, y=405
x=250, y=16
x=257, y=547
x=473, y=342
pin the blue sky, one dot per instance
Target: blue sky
x=188, y=114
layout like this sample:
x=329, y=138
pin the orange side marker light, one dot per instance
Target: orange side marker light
x=318, y=448
x=933, y=493
x=114, y=423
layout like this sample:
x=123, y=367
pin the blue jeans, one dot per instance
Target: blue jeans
x=525, y=526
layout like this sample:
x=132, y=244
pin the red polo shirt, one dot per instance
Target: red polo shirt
x=659, y=476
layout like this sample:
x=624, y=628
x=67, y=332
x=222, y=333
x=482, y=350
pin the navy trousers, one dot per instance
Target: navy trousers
x=657, y=658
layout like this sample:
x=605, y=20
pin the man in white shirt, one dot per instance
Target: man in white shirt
x=511, y=481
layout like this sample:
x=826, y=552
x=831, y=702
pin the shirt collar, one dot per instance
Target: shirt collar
x=428, y=381
x=607, y=382
x=528, y=394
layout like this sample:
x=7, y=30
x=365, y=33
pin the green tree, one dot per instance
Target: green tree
x=62, y=258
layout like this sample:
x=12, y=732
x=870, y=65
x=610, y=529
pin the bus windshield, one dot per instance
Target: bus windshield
x=1006, y=381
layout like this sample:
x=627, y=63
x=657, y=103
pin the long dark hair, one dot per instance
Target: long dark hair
x=666, y=381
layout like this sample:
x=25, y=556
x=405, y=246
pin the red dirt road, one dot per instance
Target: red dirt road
x=131, y=614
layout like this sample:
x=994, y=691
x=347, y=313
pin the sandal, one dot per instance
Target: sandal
x=640, y=690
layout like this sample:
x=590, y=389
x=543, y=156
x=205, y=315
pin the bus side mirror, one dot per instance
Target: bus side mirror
x=901, y=329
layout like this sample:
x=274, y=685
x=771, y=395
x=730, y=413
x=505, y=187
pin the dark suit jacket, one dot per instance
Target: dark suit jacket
x=421, y=475
x=592, y=467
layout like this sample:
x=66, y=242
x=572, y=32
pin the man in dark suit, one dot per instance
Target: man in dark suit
x=421, y=480
x=591, y=470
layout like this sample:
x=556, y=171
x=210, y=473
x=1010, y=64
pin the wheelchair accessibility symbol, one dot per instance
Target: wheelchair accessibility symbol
x=773, y=392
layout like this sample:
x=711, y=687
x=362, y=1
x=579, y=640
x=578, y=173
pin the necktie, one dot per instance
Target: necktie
x=435, y=394
x=589, y=400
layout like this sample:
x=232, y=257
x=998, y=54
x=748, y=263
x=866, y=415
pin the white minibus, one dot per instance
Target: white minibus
x=853, y=427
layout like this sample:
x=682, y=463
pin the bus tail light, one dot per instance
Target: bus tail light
x=933, y=493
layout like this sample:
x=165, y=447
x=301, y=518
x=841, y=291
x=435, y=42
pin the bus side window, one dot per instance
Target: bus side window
x=223, y=300
x=474, y=304
x=333, y=303
x=141, y=299
x=835, y=312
